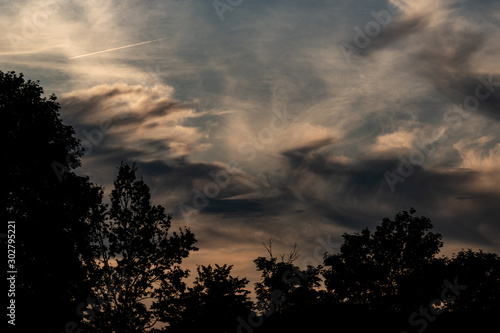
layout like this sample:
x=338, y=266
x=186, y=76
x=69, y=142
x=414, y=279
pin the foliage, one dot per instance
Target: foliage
x=285, y=286
x=52, y=214
x=214, y=302
x=388, y=267
x=139, y=256
x=480, y=272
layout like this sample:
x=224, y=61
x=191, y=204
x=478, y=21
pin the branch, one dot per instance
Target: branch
x=269, y=246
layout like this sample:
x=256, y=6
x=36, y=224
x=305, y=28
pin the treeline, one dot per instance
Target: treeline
x=86, y=266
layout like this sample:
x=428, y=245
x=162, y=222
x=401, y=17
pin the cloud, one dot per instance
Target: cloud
x=336, y=188
x=134, y=118
x=314, y=187
x=393, y=141
x=444, y=51
x=183, y=107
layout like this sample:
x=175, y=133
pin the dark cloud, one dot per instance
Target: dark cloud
x=356, y=194
x=444, y=54
x=447, y=61
x=118, y=104
x=352, y=194
x=297, y=156
x=235, y=206
x=397, y=29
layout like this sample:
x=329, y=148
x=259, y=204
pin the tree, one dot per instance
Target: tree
x=214, y=302
x=284, y=286
x=52, y=213
x=480, y=272
x=139, y=258
x=393, y=268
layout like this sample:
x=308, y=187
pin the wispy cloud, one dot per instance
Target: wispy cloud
x=185, y=107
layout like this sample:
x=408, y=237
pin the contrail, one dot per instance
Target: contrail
x=116, y=48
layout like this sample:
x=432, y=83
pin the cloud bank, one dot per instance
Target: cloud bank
x=259, y=124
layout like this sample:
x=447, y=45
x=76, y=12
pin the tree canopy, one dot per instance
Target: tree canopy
x=139, y=258
x=388, y=267
x=52, y=214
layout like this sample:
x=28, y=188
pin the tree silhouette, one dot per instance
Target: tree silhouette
x=140, y=260
x=286, y=293
x=480, y=272
x=52, y=213
x=214, y=302
x=285, y=286
x=392, y=268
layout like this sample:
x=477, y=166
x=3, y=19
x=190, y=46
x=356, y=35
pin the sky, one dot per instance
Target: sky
x=296, y=120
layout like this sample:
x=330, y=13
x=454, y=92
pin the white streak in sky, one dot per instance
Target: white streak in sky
x=116, y=48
